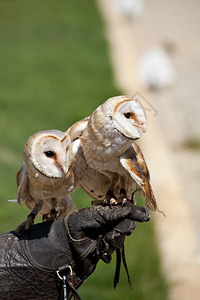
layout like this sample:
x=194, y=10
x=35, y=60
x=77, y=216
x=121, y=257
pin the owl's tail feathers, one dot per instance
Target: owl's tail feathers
x=151, y=201
x=152, y=205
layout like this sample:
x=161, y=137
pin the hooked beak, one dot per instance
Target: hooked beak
x=64, y=169
x=141, y=126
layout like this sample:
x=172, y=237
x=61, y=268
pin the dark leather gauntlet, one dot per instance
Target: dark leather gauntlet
x=54, y=258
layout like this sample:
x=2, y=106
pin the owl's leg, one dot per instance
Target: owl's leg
x=110, y=199
x=123, y=197
x=52, y=215
x=30, y=219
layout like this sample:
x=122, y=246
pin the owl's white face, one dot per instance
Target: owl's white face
x=49, y=153
x=129, y=118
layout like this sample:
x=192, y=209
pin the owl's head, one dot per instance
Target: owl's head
x=48, y=152
x=127, y=115
x=76, y=130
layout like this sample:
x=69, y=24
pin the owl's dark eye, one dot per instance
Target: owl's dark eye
x=127, y=115
x=50, y=154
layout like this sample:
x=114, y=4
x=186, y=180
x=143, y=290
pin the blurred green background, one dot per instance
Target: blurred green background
x=55, y=70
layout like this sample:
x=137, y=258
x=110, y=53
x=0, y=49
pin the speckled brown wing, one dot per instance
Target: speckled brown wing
x=22, y=184
x=23, y=188
x=133, y=161
x=94, y=183
x=90, y=180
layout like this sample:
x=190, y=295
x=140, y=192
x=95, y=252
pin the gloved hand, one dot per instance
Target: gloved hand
x=55, y=257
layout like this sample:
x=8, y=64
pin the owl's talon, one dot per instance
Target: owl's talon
x=110, y=199
x=124, y=201
x=122, y=197
x=112, y=202
x=105, y=202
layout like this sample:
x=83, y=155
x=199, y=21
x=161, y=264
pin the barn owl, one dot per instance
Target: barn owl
x=109, y=163
x=46, y=178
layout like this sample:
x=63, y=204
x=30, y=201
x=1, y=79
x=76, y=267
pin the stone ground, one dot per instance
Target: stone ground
x=175, y=169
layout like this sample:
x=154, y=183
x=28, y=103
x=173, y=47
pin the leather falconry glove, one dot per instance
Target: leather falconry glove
x=54, y=258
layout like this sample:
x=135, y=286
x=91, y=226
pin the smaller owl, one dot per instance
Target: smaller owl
x=46, y=178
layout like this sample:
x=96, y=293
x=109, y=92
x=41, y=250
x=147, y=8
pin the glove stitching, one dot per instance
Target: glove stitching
x=68, y=231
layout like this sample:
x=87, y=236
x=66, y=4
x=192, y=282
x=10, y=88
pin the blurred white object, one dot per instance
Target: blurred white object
x=156, y=70
x=131, y=8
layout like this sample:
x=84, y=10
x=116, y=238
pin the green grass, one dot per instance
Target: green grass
x=55, y=70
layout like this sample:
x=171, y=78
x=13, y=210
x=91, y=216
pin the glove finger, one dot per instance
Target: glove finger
x=125, y=227
x=139, y=214
x=113, y=213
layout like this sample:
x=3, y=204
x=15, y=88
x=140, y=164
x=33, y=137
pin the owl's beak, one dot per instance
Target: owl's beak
x=143, y=128
x=64, y=169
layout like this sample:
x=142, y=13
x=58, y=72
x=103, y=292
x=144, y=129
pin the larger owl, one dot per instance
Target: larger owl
x=46, y=178
x=112, y=164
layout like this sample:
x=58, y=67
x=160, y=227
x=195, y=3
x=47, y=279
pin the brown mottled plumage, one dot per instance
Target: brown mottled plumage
x=133, y=161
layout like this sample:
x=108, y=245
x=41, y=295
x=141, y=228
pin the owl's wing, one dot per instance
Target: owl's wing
x=22, y=184
x=133, y=161
x=94, y=183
